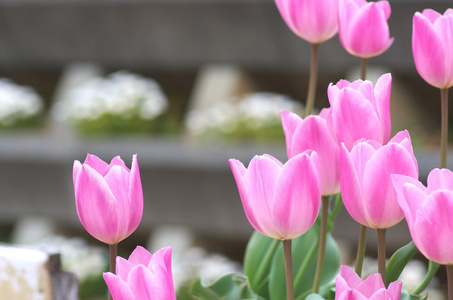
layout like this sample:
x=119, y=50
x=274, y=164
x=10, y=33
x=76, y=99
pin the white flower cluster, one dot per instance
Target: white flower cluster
x=257, y=110
x=18, y=103
x=77, y=256
x=122, y=93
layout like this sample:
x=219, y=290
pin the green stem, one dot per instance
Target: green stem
x=450, y=281
x=444, y=127
x=288, y=269
x=432, y=269
x=322, y=243
x=361, y=250
x=312, y=81
x=381, y=251
x=363, y=62
x=113, y=249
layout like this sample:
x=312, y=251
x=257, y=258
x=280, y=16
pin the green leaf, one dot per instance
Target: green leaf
x=229, y=287
x=405, y=295
x=305, y=254
x=257, y=262
x=315, y=297
x=398, y=262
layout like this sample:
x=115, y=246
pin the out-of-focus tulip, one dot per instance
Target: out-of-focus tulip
x=315, y=21
x=313, y=133
x=432, y=47
x=428, y=212
x=143, y=276
x=359, y=111
x=349, y=286
x=366, y=182
x=280, y=201
x=109, y=197
x=363, y=27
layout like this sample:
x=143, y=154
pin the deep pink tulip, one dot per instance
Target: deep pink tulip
x=109, y=197
x=366, y=182
x=359, y=111
x=314, y=133
x=280, y=201
x=315, y=21
x=363, y=28
x=349, y=286
x=428, y=212
x=143, y=276
x=432, y=47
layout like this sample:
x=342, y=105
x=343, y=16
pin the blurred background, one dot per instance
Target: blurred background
x=185, y=84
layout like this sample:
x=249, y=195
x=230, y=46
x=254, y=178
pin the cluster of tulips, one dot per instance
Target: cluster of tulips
x=345, y=155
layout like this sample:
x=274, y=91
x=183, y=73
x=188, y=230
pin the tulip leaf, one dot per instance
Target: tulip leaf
x=405, y=295
x=305, y=254
x=315, y=297
x=228, y=287
x=398, y=262
x=257, y=262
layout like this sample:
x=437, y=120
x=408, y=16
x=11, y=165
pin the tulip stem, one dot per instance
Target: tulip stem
x=381, y=251
x=113, y=252
x=432, y=270
x=363, y=63
x=450, y=281
x=322, y=242
x=444, y=127
x=288, y=269
x=312, y=81
x=361, y=250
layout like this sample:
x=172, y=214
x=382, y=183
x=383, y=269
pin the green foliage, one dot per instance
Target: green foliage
x=398, y=262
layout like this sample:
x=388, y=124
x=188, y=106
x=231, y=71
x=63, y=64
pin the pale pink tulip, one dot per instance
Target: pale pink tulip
x=143, y=276
x=359, y=111
x=432, y=46
x=280, y=201
x=428, y=212
x=363, y=27
x=314, y=133
x=366, y=182
x=109, y=197
x=313, y=20
x=349, y=286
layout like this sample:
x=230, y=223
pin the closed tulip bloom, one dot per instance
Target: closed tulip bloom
x=109, y=197
x=349, y=286
x=366, y=182
x=314, y=133
x=428, y=211
x=361, y=111
x=143, y=276
x=315, y=21
x=432, y=47
x=280, y=201
x=363, y=28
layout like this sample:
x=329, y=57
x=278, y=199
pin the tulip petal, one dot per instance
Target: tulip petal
x=140, y=256
x=431, y=15
x=97, y=164
x=162, y=258
x=135, y=196
x=444, y=28
x=290, y=121
x=297, y=196
x=118, y=288
x=394, y=290
x=383, y=92
x=440, y=179
x=123, y=267
x=141, y=281
x=75, y=170
x=371, y=285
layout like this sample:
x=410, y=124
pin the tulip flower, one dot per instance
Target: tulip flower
x=143, y=276
x=313, y=20
x=314, y=133
x=363, y=27
x=366, y=183
x=432, y=47
x=280, y=201
x=109, y=197
x=349, y=286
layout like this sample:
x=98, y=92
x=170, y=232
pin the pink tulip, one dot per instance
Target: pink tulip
x=143, y=276
x=428, y=212
x=109, y=198
x=349, y=286
x=366, y=182
x=280, y=201
x=363, y=27
x=313, y=20
x=432, y=47
x=314, y=133
x=359, y=111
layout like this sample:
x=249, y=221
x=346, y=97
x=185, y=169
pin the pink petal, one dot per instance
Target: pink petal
x=163, y=282
x=135, y=196
x=440, y=179
x=123, y=267
x=444, y=28
x=394, y=290
x=97, y=164
x=384, y=6
x=382, y=93
x=75, y=171
x=162, y=258
x=431, y=15
x=141, y=281
x=118, y=288
x=290, y=121
x=140, y=256
x=350, y=276
x=371, y=285
x=297, y=196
